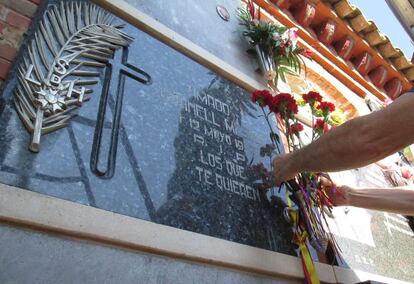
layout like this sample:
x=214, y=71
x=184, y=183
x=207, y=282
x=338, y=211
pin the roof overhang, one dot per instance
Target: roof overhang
x=404, y=11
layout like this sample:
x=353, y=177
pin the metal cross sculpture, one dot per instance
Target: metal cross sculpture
x=115, y=76
x=72, y=41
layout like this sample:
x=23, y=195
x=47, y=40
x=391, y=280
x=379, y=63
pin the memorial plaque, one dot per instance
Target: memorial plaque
x=162, y=138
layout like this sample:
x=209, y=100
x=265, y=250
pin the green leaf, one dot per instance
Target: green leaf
x=287, y=71
x=282, y=74
x=304, y=64
x=296, y=61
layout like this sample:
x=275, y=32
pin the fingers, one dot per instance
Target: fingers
x=279, y=175
x=326, y=183
x=281, y=171
x=338, y=195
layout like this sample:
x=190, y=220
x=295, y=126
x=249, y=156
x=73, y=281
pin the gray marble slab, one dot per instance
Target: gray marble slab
x=199, y=22
x=185, y=142
x=37, y=258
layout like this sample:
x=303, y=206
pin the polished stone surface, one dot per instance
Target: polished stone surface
x=37, y=258
x=368, y=241
x=185, y=143
x=199, y=22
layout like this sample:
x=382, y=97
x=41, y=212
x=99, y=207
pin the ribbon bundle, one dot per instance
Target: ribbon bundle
x=306, y=190
x=310, y=224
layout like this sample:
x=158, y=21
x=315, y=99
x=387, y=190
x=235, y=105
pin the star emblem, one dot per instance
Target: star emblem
x=49, y=100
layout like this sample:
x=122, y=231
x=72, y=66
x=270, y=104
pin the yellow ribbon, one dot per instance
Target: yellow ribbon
x=307, y=259
x=288, y=199
x=301, y=242
x=294, y=215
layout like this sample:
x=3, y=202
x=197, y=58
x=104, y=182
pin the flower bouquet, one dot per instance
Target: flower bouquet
x=275, y=45
x=308, y=203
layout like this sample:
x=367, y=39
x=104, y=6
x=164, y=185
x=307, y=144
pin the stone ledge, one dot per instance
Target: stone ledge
x=46, y=213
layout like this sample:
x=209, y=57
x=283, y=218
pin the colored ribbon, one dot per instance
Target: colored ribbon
x=309, y=269
x=300, y=239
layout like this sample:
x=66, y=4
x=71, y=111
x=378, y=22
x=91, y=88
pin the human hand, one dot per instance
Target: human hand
x=282, y=169
x=339, y=195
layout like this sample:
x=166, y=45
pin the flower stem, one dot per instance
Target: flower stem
x=313, y=123
x=271, y=129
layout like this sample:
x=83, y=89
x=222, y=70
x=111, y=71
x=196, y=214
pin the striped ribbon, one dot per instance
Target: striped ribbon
x=299, y=239
x=308, y=267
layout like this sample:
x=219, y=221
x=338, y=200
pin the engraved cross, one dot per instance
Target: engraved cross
x=114, y=81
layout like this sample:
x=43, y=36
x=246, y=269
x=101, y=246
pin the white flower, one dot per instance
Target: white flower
x=292, y=35
x=276, y=36
x=290, y=38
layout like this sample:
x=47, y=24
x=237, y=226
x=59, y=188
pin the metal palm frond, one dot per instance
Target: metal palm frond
x=73, y=40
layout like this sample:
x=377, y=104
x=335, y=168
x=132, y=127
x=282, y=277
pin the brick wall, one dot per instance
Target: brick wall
x=15, y=19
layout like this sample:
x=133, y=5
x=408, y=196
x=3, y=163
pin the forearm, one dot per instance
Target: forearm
x=400, y=201
x=340, y=149
x=359, y=142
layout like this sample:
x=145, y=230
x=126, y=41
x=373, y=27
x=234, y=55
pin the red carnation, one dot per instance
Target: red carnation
x=293, y=106
x=295, y=128
x=263, y=97
x=319, y=124
x=326, y=107
x=284, y=104
x=312, y=97
x=308, y=53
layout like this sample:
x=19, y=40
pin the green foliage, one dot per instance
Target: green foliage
x=275, y=39
x=258, y=32
x=288, y=62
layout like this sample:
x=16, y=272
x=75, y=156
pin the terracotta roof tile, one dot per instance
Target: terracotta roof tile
x=368, y=30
